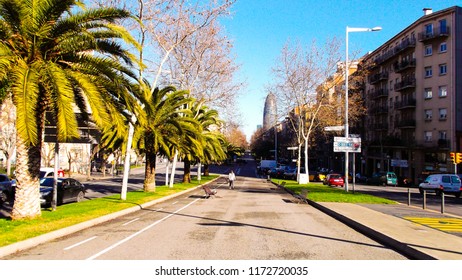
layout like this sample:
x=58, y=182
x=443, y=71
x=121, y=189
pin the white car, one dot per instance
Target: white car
x=442, y=183
x=49, y=172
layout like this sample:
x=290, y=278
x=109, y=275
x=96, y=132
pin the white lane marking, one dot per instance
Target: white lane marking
x=139, y=232
x=129, y=222
x=80, y=243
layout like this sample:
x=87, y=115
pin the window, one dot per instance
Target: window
x=428, y=50
x=429, y=29
x=442, y=91
x=428, y=136
x=443, y=47
x=428, y=71
x=428, y=114
x=443, y=69
x=443, y=134
x=443, y=26
x=443, y=113
x=428, y=93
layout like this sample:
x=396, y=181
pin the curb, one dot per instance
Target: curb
x=381, y=238
x=34, y=241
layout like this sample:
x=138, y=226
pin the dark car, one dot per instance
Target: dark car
x=6, y=189
x=383, y=178
x=69, y=190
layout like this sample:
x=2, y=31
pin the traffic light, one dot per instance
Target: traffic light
x=458, y=157
x=453, y=157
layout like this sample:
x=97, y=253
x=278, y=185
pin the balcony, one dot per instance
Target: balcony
x=380, y=126
x=442, y=31
x=405, y=104
x=379, y=110
x=405, y=84
x=403, y=65
x=410, y=123
x=375, y=78
x=378, y=93
x=406, y=44
x=384, y=57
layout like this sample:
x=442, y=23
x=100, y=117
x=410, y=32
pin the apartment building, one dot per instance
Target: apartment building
x=413, y=93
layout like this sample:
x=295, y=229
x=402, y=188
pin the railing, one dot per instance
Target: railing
x=406, y=103
x=375, y=78
x=407, y=83
x=442, y=31
x=406, y=123
x=378, y=93
x=403, y=65
x=405, y=44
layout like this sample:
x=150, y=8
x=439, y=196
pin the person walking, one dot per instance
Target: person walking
x=231, y=179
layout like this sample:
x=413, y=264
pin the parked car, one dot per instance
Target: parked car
x=383, y=178
x=439, y=183
x=50, y=171
x=69, y=190
x=291, y=173
x=334, y=179
x=6, y=189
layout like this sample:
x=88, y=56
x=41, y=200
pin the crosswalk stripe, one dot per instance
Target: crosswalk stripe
x=443, y=224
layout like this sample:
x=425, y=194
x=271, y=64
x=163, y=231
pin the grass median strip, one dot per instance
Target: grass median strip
x=321, y=193
x=74, y=213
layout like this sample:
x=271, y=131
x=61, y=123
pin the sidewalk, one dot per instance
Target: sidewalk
x=387, y=225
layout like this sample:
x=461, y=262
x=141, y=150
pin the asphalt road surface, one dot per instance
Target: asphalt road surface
x=255, y=221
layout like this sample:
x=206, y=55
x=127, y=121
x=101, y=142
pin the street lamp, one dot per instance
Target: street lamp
x=350, y=29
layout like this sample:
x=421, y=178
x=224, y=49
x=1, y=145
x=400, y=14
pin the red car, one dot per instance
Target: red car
x=334, y=180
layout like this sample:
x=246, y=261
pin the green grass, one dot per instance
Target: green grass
x=321, y=193
x=74, y=213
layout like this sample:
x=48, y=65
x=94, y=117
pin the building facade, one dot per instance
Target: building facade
x=413, y=93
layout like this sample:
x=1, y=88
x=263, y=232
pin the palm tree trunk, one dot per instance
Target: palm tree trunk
x=187, y=170
x=27, y=197
x=150, y=172
x=206, y=170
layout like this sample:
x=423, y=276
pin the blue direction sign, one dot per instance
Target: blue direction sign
x=347, y=144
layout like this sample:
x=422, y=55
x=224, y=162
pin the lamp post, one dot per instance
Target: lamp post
x=347, y=68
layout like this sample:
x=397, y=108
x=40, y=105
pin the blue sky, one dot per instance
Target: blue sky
x=259, y=29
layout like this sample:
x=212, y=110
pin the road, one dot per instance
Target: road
x=255, y=221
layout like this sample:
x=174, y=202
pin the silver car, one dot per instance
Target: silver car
x=439, y=183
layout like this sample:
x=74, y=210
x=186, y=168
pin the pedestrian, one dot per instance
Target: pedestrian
x=231, y=179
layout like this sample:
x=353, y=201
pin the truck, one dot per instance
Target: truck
x=266, y=166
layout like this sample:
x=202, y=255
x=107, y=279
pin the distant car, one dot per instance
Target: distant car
x=439, y=183
x=383, y=178
x=50, y=171
x=334, y=179
x=6, y=189
x=69, y=190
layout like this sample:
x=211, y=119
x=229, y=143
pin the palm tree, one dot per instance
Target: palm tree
x=55, y=57
x=208, y=143
x=166, y=122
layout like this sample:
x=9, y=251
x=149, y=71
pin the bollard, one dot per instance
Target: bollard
x=442, y=202
x=424, y=199
x=408, y=197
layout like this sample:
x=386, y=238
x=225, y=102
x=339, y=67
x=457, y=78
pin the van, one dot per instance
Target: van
x=442, y=183
x=383, y=178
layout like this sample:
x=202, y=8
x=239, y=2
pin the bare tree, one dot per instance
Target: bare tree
x=8, y=131
x=307, y=88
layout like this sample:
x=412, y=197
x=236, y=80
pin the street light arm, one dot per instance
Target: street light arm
x=362, y=29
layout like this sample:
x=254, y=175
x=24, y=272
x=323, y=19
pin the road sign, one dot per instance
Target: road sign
x=334, y=128
x=343, y=144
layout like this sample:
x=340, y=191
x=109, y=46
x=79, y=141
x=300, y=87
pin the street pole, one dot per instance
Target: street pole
x=347, y=68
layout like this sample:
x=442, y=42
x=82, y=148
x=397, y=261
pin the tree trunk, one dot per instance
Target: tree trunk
x=27, y=197
x=150, y=172
x=206, y=170
x=187, y=170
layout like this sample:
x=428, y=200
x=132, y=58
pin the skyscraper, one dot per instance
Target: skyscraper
x=269, y=112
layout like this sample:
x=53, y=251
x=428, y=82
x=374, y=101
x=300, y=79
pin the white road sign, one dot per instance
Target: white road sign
x=343, y=144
